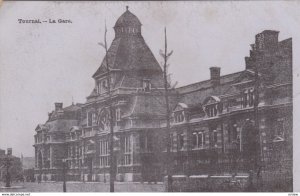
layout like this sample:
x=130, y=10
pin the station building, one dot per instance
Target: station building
x=212, y=122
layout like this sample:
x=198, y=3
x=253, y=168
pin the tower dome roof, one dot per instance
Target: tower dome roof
x=127, y=19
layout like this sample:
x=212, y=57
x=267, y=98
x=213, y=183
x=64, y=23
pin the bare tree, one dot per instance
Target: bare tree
x=165, y=54
x=111, y=120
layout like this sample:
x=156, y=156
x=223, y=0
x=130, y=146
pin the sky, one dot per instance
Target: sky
x=41, y=64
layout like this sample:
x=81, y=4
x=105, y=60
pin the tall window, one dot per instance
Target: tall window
x=146, y=142
x=178, y=116
x=89, y=119
x=248, y=98
x=118, y=114
x=233, y=133
x=102, y=86
x=104, y=153
x=215, y=137
x=127, y=150
x=171, y=142
x=180, y=141
x=211, y=110
x=198, y=139
x=146, y=85
x=280, y=128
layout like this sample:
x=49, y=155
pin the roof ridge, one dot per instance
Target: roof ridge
x=208, y=80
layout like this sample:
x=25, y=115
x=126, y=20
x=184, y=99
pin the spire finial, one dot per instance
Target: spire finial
x=127, y=7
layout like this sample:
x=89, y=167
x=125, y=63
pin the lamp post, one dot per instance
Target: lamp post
x=7, y=165
x=64, y=161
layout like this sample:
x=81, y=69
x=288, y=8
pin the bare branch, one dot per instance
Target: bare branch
x=170, y=53
x=101, y=44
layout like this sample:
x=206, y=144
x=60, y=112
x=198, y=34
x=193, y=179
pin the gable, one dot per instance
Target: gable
x=180, y=107
x=40, y=127
x=211, y=100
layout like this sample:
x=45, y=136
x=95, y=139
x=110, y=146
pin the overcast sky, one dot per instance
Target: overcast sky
x=45, y=63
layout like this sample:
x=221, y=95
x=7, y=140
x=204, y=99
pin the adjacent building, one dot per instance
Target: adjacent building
x=213, y=129
x=10, y=164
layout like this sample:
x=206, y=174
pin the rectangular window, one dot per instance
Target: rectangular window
x=251, y=97
x=211, y=110
x=146, y=85
x=94, y=119
x=198, y=140
x=118, y=114
x=104, y=153
x=280, y=128
x=215, y=137
x=248, y=98
x=195, y=140
x=98, y=87
x=179, y=116
x=171, y=142
x=127, y=150
x=180, y=141
x=89, y=119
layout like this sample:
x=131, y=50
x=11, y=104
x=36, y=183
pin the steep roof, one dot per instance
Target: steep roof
x=128, y=54
x=128, y=50
x=73, y=107
x=149, y=106
x=196, y=93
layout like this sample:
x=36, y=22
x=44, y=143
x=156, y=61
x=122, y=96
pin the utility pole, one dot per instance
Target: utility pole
x=64, y=161
x=112, y=165
x=165, y=56
x=7, y=165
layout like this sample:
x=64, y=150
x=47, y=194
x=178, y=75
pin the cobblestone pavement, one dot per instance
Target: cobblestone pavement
x=83, y=187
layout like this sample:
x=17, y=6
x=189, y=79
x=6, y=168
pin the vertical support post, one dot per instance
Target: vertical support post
x=64, y=176
x=111, y=120
x=8, y=177
x=169, y=178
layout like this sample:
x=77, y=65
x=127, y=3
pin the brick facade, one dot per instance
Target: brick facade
x=212, y=121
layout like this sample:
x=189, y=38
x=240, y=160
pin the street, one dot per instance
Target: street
x=83, y=187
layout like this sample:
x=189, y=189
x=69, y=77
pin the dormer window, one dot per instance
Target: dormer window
x=179, y=116
x=211, y=110
x=102, y=85
x=248, y=98
x=146, y=85
x=213, y=106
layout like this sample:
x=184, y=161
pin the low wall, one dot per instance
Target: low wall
x=205, y=183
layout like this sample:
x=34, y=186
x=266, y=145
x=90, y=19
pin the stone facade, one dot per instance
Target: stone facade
x=212, y=128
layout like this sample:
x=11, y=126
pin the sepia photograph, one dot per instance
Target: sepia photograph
x=154, y=96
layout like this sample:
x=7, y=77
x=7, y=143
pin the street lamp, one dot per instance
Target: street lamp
x=7, y=165
x=64, y=162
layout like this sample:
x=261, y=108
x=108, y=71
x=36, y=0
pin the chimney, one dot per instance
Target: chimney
x=58, y=106
x=215, y=75
x=267, y=40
